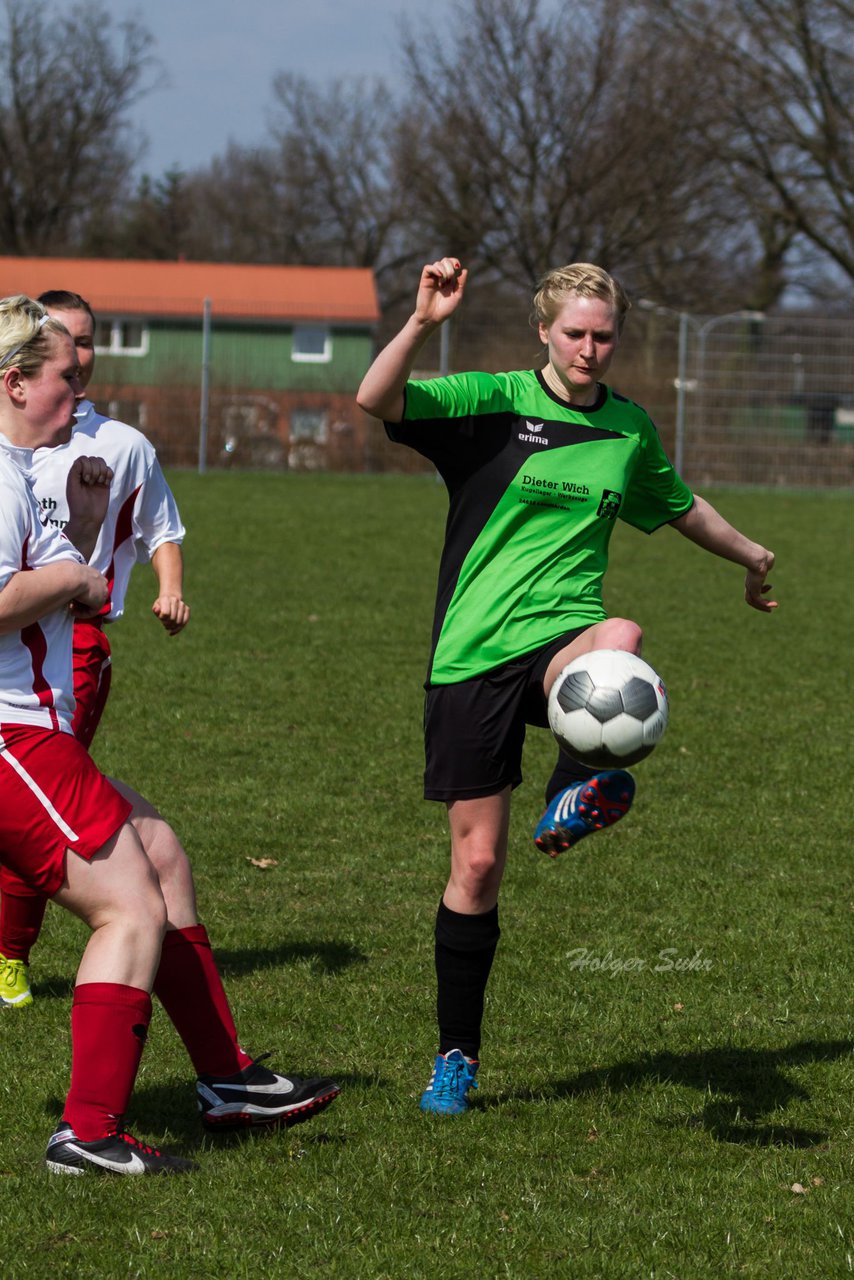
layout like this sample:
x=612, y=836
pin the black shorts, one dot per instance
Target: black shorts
x=474, y=731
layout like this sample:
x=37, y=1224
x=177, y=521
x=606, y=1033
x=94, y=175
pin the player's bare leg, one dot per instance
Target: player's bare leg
x=467, y=934
x=117, y=893
x=479, y=831
x=612, y=633
x=167, y=856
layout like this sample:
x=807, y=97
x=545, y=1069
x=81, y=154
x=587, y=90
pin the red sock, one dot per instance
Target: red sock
x=190, y=989
x=109, y=1023
x=21, y=914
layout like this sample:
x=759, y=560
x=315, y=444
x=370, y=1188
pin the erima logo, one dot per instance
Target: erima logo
x=532, y=436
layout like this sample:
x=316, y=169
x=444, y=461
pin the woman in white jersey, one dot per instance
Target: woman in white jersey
x=538, y=463
x=72, y=834
x=142, y=522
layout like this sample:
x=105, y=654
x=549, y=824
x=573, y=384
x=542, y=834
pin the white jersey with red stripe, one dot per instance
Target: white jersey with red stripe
x=142, y=513
x=36, y=679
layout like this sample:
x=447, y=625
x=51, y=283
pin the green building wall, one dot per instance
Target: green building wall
x=256, y=356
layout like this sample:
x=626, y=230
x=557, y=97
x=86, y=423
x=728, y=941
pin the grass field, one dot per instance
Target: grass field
x=667, y=1076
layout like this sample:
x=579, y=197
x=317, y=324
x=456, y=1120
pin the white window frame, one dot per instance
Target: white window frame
x=118, y=409
x=312, y=357
x=115, y=348
x=299, y=434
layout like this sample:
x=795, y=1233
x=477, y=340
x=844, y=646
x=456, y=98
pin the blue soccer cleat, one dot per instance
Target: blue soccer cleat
x=453, y=1076
x=586, y=807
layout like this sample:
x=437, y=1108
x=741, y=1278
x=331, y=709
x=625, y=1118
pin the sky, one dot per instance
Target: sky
x=220, y=57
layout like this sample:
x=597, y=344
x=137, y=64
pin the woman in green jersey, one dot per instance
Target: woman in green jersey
x=538, y=465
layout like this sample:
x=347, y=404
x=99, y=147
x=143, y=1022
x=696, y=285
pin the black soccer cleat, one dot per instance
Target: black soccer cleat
x=118, y=1153
x=256, y=1096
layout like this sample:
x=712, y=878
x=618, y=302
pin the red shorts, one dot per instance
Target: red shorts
x=92, y=672
x=53, y=798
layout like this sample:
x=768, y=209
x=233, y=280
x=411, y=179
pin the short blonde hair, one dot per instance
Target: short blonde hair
x=25, y=327
x=583, y=279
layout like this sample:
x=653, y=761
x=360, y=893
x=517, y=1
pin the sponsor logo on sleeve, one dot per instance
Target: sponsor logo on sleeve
x=609, y=507
x=47, y=506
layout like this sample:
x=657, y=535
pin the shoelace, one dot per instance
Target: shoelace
x=135, y=1143
x=255, y=1073
x=450, y=1081
x=261, y=1058
x=12, y=969
x=246, y=1074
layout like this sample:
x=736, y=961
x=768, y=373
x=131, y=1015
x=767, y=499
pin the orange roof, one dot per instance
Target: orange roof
x=330, y=294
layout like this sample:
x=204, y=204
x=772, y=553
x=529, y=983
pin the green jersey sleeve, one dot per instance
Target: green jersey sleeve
x=657, y=493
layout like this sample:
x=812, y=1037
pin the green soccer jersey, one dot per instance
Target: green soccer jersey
x=535, y=486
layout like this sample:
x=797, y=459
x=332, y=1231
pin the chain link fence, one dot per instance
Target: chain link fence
x=748, y=399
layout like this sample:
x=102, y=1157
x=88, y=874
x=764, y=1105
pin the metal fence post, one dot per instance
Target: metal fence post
x=445, y=349
x=681, y=388
x=205, y=393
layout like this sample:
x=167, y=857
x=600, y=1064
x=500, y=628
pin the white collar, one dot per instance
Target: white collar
x=84, y=409
x=23, y=458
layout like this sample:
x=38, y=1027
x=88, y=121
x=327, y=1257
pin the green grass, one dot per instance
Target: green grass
x=636, y=1117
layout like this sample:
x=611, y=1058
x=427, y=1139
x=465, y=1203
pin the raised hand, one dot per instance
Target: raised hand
x=440, y=290
x=87, y=493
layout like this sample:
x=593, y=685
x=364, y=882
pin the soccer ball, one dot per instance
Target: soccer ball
x=608, y=709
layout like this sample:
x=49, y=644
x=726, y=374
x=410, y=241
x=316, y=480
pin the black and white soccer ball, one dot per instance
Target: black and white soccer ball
x=608, y=709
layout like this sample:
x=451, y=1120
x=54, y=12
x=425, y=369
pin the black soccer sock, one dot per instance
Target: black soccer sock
x=567, y=772
x=465, y=949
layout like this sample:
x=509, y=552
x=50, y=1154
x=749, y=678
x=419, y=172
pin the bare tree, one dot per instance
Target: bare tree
x=158, y=223
x=693, y=145
x=548, y=136
x=785, y=76
x=339, y=153
x=323, y=188
x=702, y=149
x=239, y=208
x=66, y=148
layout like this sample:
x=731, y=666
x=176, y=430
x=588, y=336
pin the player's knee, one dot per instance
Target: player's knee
x=144, y=898
x=156, y=903
x=619, y=633
x=477, y=870
x=142, y=893
x=167, y=853
x=139, y=912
